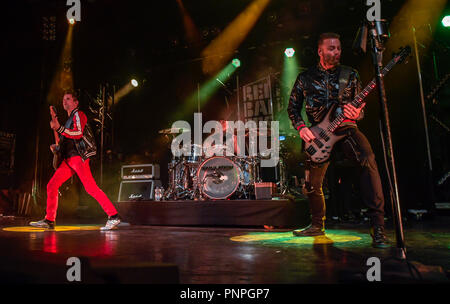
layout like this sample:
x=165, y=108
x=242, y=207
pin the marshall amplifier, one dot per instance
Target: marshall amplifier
x=265, y=191
x=146, y=171
x=138, y=190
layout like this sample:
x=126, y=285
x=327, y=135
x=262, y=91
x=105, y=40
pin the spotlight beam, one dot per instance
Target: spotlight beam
x=233, y=35
x=192, y=33
x=63, y=77
x=206, y=90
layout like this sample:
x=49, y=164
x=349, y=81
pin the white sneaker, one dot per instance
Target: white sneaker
x=111, y=224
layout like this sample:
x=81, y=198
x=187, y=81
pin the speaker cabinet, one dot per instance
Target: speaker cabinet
x=265, y=191
x=138, y=190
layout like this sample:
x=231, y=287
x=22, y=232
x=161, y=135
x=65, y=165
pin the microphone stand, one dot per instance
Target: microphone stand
x=377, y=57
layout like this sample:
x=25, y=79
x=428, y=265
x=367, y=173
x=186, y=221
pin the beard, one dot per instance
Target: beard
x=331, y=60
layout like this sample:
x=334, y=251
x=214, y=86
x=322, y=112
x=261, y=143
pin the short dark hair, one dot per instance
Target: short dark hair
x=324, y=36
x=73, y=93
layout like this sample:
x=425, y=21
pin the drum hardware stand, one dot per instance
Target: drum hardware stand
x=196, y=195
x=285, y=190
x=169, y=193
x=283, y=186
x=200, y=189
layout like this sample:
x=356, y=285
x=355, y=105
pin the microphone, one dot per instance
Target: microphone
x=380, y=32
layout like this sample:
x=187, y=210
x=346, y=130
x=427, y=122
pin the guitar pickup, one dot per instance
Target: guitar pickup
x=311, y=150
x=318, y=143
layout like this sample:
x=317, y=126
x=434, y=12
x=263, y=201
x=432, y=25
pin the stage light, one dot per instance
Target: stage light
x=289, y=52
x=134, y=83
x=72, y=21
x=446, y=21
x=236, y=63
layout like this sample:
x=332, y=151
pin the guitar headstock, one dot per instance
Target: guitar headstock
x=53, y=112
x=402, y=54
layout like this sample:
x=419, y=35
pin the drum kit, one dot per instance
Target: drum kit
x=194, y=176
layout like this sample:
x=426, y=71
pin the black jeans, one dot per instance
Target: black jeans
x=357, y=148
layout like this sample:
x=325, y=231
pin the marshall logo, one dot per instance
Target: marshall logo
x=137, y=170
x=135, y=196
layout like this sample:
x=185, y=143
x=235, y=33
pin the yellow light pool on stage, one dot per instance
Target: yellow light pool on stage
x=286, y=238
x=57, y=228
x=134, y=83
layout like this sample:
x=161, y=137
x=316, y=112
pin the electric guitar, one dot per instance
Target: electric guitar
x=320, y=148
x=56, y=153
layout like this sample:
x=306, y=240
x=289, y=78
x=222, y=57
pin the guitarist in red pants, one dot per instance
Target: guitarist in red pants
x=76, y=146
x=327, y=87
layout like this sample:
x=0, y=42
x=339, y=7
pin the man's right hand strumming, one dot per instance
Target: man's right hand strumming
x=306, y=134
x=53, y=147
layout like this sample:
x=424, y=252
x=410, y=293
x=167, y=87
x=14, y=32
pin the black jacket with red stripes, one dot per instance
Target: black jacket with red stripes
x=77, y=137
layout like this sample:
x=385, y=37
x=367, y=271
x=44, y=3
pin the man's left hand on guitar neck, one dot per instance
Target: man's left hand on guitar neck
x=351, y=112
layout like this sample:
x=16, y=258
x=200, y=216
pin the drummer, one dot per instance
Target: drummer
x=228, y=132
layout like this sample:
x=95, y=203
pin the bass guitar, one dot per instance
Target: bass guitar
x=320, y=148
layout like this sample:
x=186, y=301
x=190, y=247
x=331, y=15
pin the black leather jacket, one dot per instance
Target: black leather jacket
x=318, y=89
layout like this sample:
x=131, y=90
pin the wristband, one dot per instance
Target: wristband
x=301, y=127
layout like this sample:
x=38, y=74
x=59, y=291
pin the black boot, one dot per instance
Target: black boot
x=312, y=230
x=379, y=239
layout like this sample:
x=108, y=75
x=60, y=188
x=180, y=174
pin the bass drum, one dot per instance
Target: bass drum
x=218, y=177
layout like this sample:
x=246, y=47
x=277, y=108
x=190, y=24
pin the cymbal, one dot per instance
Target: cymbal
x=266, y=132
x=172, y=130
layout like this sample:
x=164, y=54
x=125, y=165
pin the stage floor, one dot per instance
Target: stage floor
x=225, y=255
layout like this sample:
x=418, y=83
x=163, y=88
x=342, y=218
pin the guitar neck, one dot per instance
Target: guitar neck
x=358, y=100
x=57, y=139
x=54, y=118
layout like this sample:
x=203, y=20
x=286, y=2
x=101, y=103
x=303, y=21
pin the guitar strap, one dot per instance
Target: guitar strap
x=344, y=78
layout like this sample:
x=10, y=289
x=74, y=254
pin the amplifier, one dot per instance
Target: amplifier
x=138, y=190
x=265, y=190
x=146, y=171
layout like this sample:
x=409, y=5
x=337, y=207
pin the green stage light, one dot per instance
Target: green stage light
x=205, y=91
x=446, y=21
x=289, y=52
x=236, y=63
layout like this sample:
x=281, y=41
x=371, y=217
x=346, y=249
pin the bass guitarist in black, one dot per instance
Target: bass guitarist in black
x=320, y=89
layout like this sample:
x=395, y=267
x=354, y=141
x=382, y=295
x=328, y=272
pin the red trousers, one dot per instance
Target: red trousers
x=67, y=168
